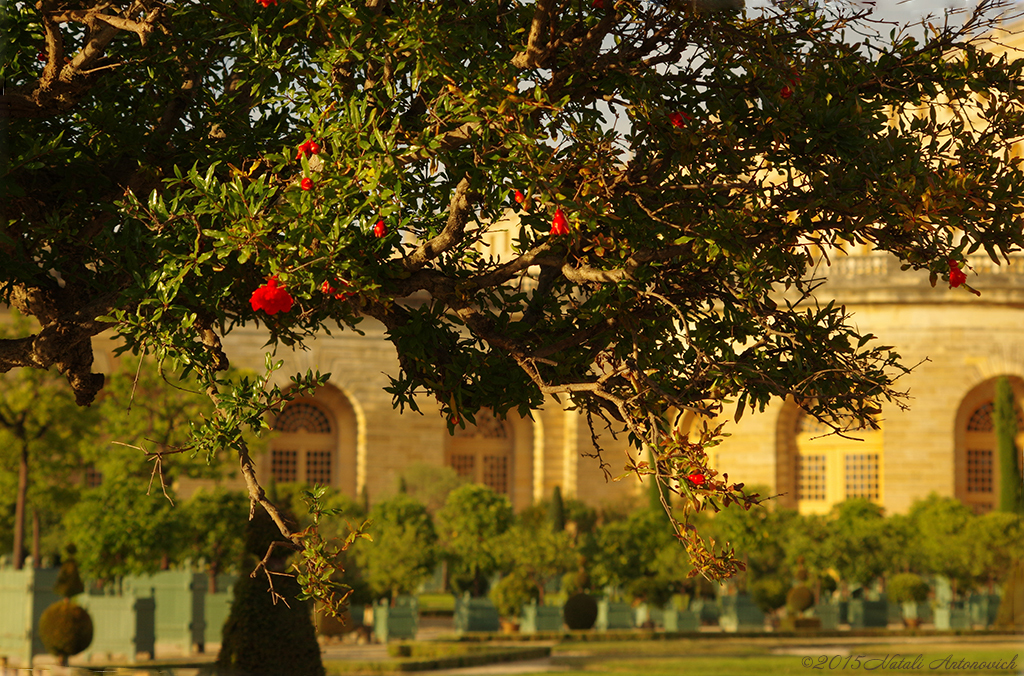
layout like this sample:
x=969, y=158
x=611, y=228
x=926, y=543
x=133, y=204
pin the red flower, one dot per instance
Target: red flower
x=785, y=92
x=598, y=4
x=41, y=56
x=266, y=3
x=379, y=230
x=956, y=275
x=559, y=225
x=310, y=147
x=679, y=119
x=331, y=291
x=697, y=479
x=271, y=298
x=307, y=184
x=519, y=197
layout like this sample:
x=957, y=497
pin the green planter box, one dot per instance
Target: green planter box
x=613, y=615
x=678, y=620
x=24, y=595
x=952, y=617
x=476, y=614
x=400, y=621
x=983, y=609
x=828, y=613
x=217, y=607
x=123, y=626
x=180, y=597
x=540, y=618
x=868, y=614
x=740, y=613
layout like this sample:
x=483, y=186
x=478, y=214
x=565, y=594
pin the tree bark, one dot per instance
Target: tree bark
x=19, y=509
x=36, y=558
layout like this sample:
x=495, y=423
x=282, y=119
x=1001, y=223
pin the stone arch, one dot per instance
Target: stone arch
x=496, y=453
x=315, y=441
x=816, y=469
x=976, y=473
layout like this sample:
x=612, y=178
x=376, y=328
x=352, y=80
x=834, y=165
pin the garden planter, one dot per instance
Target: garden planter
x=613, y=615
x=868, y=614
x=952, y=617
x=740, y=613
x=476, y=614
x=828, y=614
x=540, y=618
x=400, y=621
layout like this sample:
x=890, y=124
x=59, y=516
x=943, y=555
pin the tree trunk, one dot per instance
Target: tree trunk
x=36, y=558
x=19, y=509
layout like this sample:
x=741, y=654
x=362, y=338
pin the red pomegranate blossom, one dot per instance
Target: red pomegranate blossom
x=697, y=479
x=679, y=119
x=379, y=230
x=559, y=225
x=271, y=298
x=785, y=92
x=307, y=184
x=598, y=4
x=329, y=290
x=266, y=3
x=519, y=197
x=956, y=275
x=310, y=147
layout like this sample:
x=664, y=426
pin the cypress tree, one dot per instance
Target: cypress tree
x=1005, y=420
x=556, y=511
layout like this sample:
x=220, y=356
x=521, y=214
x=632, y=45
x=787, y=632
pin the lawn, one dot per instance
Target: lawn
x=777, y=657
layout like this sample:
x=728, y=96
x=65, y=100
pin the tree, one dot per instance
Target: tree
x=1004, y=417
x=468, y=525
x=637, y=556
x=856, y=541
x=216, y=530
x=534, y=556
x=177, y=170
x=945, y=538
x=42, y=434
x=403, y=552
x=119, y=530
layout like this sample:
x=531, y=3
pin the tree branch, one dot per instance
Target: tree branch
x=454, y=230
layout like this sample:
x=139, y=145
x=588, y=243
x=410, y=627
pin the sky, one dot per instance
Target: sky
x=912, y=11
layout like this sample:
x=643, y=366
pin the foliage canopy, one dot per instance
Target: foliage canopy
x=167, y=159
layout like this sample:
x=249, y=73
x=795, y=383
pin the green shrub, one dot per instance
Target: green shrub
x=65, y=629
x=799, y=598
x=906, y=587
x=769, y=593
x=580, y=611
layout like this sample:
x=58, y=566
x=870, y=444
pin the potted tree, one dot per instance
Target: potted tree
x=402, y=555
x=909, y=590
x=469, y=524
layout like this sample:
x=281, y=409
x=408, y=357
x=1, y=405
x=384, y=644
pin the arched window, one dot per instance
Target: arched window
x=977, y=481
x=483, y=452
x=304, y=449
x=830, y=468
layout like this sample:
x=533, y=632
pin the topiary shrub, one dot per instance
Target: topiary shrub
x=263, y=638
x=580, y=611
x=799, y=598
x=69, y=582
x=65, y=628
